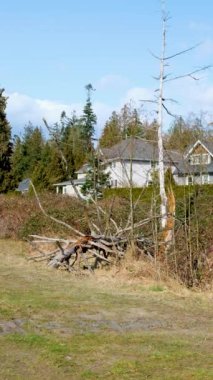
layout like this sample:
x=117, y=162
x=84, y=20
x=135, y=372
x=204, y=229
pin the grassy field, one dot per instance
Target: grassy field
x=54, y=326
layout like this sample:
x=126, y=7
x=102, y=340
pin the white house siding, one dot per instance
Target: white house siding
x=180, y=180
x=68, y=190
x=65, y=189
x=120, y=173
x=211, y=179
x=81, y=175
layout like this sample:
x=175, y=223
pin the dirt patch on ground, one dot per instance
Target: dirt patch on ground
x=11, y=327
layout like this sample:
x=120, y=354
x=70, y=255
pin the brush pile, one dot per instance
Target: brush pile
x=86, y=252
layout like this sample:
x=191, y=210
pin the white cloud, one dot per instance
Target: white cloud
x=137, y=94
x=22, y=108
x=193, y=97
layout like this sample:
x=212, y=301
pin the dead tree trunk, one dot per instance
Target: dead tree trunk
x=160, y=129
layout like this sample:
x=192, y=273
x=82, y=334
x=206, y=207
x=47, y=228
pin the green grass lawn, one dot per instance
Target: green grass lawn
x=54, y=326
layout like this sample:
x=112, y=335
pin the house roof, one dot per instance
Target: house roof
x=208, y=145
x=66, y=183
x=24, y=185
x=83, y=169
x=185, y=168
x=138, y=150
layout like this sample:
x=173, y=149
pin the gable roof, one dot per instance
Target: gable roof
x=138, y=150
x=83, y=169
x=24, y=185
x=184, y=166
x=208, y=145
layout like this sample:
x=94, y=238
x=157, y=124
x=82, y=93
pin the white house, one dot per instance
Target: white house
x=67, y=188
x=197, y=165
x=136, y=159
x=132, y=158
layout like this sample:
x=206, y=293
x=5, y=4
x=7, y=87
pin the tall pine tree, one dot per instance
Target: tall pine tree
x=89, y=121
x=5, y=146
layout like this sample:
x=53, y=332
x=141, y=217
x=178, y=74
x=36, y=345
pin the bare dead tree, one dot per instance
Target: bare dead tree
x=160, y=100
x=160, y=127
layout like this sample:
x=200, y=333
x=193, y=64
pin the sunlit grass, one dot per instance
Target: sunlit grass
x=76, y=328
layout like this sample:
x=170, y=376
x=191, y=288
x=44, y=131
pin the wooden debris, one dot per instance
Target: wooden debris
x=86, y=252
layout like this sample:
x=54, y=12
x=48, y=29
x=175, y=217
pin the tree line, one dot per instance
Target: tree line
x=34, y=156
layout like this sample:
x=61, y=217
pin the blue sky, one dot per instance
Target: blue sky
x=51, y=49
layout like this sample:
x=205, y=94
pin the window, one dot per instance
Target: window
x=195, y=159
x=190, y=180
x=205, y=158
x=112, y=164
x=113, y=183
x=205, y=179
x=199, y=159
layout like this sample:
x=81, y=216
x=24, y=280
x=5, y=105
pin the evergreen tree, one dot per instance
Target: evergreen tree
x=72, y=130
x=121, y=125
x=134, y=125
x=27, y=153
x=5, y=146
x=111, y=134
x=89, y=121
x=33, y=144
x=130, y=122
x=97, y=179
x=49, y=169
x=17, y=162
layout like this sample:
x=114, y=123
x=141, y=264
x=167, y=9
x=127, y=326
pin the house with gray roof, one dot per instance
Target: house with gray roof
x=197, y=165
x=135, y=161
x=66, y=187
x=131, y=161
x=138, y=159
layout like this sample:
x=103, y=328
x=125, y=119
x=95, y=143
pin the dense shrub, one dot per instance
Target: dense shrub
x=189, y=260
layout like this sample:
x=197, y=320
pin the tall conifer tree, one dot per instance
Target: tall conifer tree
x=89, y=120
x=5, y=146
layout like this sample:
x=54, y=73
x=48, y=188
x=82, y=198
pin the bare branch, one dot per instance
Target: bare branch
x=105, y=213
x=46, y=239
x=167, y=111
x=51, y=217
x=139, y=224
x=148, y=101
x=154, y=55
x=190, y=75
x=99, y=256
x=171, y=100
x=182, y=51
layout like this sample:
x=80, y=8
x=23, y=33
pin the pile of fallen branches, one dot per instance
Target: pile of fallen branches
x=89, y=251
x=86, y=252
